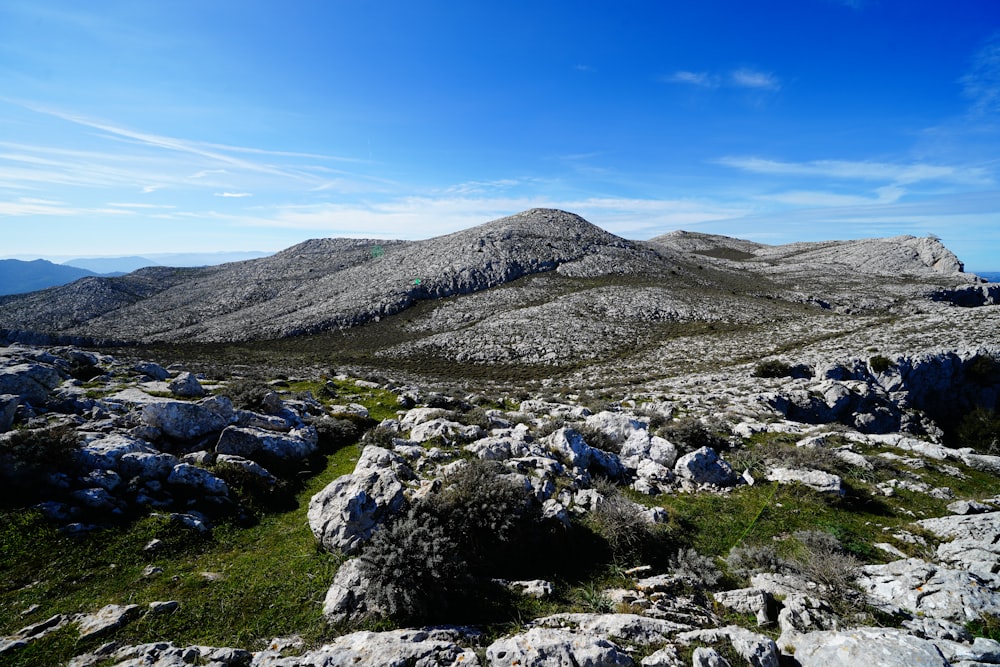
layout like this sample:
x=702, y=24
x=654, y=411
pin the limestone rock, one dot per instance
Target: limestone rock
x=704, y=466
x=704, y=656
x=630, y=628
x=108, y=618
x=395, y=648
x=250, y=442
x=969, y=507
x=106, y=452
x=193, y=477
x=570, y=447
x=186, y=385
x=618, y=426
x=823, y=482
x=930, y=590
x=344, y=514
x=974, y=542
x=31, y=381
x=8, y=406
x=347, y=598
x=188, y=421
x=443, y=428
x=665, y=657
x=758, y=650
x=152, y=370
x=747, y=601
x=545, y=647
x=885, y=647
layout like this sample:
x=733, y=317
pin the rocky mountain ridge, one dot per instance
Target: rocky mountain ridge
x=334, y=284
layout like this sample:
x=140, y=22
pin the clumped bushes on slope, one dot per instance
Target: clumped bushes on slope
x=689, y=434
x=335, y=433
x=431, y=561
x=772, y=368
x=630, y=538
x=247, y=393
x=984, y=370
x=695, y=569
x=880, y=364
x=815, y=555
x=28, y=458
x=980, y=430
x=415, y=567
x=598, y=439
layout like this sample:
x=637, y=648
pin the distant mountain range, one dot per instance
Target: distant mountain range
x=19, y=276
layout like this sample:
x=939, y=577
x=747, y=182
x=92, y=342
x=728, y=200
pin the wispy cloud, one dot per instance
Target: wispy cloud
x=425, y=216
x=702, y=79
x=903, y=174
x=140, y=205
x=739, y=78
x=208, y=172
x=233, y=195
x=982, y=83
x=748, y=78
x=28, y=206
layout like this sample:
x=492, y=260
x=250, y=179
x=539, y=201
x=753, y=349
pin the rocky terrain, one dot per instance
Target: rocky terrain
x=568, y=449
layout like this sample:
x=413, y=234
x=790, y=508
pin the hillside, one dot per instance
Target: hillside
x=18, y=277
x=334, y=284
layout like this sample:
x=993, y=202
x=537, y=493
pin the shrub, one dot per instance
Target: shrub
x=980, y=430
x=247, y=393
x=880, y=364
x=598, y=439
x=627, y=532
x=746, y=561
x=485, y=510
x=984, y=370
x=689, y=434
x=772, y=368
x=695, y=569
x=255, y=493
x=414, y=567
x=29, y=457
x=335, y=433
x=821, y=559
x=444, y=550
x=380, y=437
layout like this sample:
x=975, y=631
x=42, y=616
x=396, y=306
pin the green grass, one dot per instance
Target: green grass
x=274, y=578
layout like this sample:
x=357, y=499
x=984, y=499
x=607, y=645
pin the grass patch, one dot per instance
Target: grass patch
x=273, y=577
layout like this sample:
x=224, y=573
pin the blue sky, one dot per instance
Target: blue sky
x=140, y=127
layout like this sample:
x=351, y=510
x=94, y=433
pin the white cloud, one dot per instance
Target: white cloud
x=982, y=83
x=863, y=170
x=233, y=195
x=740, y=78
x=140, y=206
x=207, y=172
x=748, y=78
x=702, y=79
x=27, y=206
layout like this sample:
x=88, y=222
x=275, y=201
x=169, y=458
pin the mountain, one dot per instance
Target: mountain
x=120, y=265
x=111, y=265
x=540, y=289
x=17, y=276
